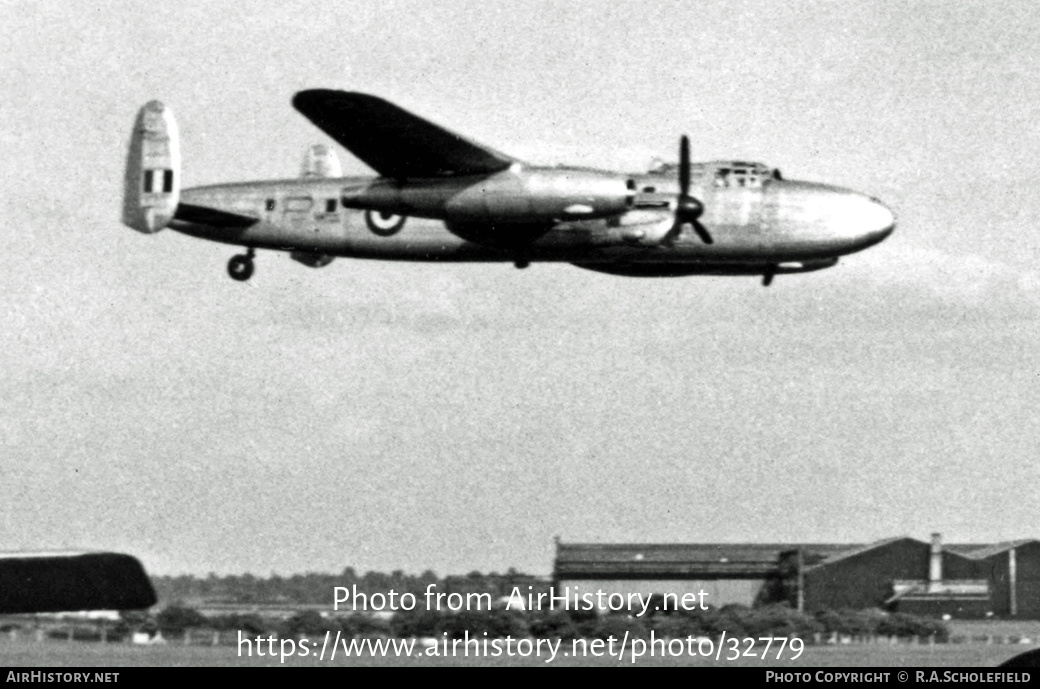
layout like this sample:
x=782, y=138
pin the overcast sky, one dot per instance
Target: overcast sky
x=411, y=416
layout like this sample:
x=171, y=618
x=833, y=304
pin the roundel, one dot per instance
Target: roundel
x=384, y=224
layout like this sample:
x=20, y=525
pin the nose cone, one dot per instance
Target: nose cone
x=858, y=221
x=872, y=221
x=850, y=221
x=825, y=221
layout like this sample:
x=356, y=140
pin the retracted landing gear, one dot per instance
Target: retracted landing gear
x=521, y=262
x=241, y=266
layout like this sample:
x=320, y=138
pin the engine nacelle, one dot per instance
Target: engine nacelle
x=152, y=184
x=518, y=196
x=311, y=260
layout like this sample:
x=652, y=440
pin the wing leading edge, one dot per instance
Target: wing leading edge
x=392, y=141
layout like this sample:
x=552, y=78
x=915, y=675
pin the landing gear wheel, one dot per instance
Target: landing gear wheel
x=241, y=267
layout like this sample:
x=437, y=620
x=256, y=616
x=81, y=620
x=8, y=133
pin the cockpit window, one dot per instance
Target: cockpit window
x=743, y=175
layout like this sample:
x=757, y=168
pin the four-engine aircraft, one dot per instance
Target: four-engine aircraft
x=441, y=197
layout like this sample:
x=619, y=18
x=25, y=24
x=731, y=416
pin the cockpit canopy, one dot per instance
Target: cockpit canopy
x=723, y=173
x=735, y=173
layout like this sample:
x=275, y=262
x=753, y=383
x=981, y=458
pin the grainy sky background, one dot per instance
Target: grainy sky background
x=396, y=416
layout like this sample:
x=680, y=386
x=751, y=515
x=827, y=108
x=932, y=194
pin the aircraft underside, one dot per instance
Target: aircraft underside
x=441, y=246
x=671, y=270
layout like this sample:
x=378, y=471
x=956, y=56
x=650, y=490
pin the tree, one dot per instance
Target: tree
x=617, y=626
x=417, y=623
x=496, y=623
x=554, y=625
x=175, y=619
x=307, y=623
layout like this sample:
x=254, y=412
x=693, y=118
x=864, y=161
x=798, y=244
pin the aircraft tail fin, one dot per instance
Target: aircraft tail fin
x=320, y=161
x=151, y=187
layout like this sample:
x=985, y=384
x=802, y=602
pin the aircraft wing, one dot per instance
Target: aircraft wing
x=392, y=141
x=201, y=215
x=68, y=582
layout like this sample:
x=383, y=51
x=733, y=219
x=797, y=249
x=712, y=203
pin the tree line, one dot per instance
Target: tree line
x=735, y=620
x=314, y=588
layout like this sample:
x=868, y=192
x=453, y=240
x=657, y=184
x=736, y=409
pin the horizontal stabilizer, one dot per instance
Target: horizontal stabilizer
x=394, y=142
x=32, y=583
x=201, y=215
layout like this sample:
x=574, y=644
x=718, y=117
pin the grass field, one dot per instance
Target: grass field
x=1000, y=629
x=26, y=653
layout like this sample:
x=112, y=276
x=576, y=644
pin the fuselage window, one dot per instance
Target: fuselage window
x=149, y=176
x=649, y=190
x=330, y=205
x=269, y=204
x=167, y=181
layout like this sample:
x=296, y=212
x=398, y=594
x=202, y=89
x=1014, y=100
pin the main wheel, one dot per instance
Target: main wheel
x=240, y=267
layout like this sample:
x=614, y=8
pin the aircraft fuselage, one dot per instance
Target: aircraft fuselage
x=761, y=221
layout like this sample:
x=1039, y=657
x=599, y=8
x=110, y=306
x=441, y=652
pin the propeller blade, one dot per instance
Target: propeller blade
x=702, y=232
x=684, y=165
x=687, y=208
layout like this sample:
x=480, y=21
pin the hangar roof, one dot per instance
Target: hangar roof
x=656, y=559
x=980, y=551
x=660, y=560
x=854, y=550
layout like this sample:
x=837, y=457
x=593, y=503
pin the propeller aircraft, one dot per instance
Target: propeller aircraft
x=441, y=197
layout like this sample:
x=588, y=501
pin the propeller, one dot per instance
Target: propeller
x=688, y=210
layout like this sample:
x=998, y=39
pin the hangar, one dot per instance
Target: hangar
x=898, y=574
x=1013, y=572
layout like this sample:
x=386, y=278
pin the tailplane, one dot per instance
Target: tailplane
x=151, y=188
